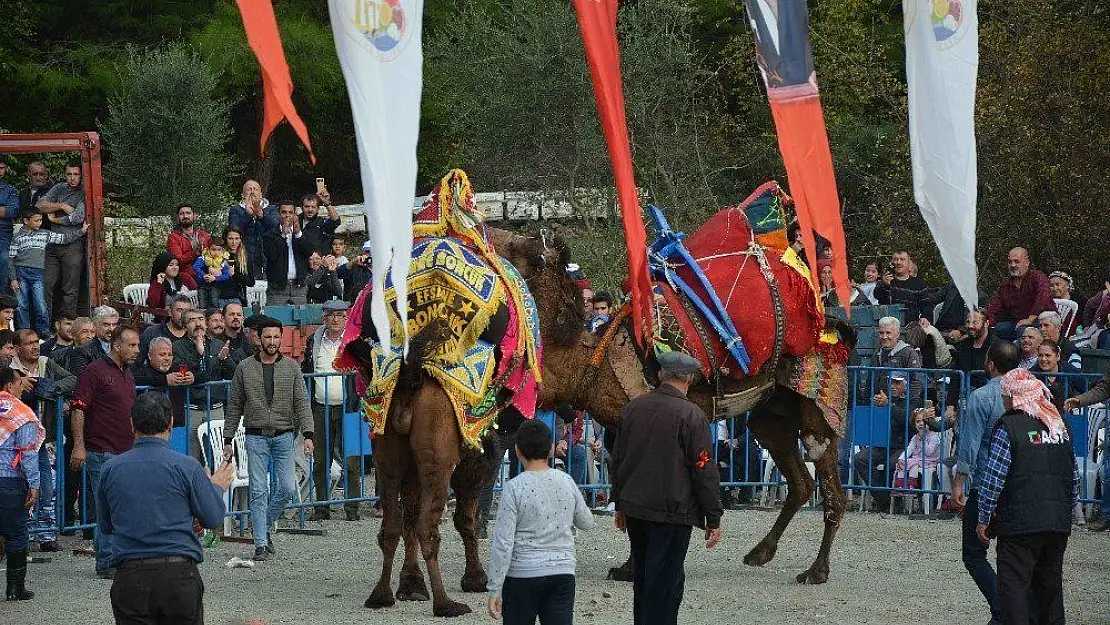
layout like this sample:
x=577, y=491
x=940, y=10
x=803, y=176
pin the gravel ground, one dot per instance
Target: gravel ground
x=884, y=570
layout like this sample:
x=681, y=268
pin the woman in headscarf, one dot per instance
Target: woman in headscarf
x=167, y=280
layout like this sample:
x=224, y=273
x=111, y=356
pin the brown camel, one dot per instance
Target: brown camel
x=780, y=421
x=421, y=452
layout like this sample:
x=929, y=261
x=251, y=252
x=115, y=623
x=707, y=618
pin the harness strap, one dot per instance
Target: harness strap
x=589, y=376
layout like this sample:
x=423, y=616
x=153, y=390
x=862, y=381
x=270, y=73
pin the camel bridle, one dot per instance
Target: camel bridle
x=601, y=350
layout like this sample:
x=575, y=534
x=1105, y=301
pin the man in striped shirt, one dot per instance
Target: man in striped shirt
x=28, y=257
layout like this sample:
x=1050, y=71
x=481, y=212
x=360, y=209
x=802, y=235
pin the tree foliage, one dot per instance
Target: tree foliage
x=507, y=96
x=167, y=133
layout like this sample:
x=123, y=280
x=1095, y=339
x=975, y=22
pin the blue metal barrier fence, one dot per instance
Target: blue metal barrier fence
x=900, y=441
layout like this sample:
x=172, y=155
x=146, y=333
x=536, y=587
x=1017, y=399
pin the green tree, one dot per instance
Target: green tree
x=167, y=133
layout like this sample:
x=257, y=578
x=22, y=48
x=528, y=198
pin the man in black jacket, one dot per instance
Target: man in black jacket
x=105, y=319
x=898, y=286
x=665, y=482
x=234, y=334
x=355, y=274
x=286, y=251
x=207, y=360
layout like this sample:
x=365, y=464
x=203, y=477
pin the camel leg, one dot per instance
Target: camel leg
x=832, y=493
x=412, y=586
x=778, y=435
x=468, y=481
x=435, y=444
x=393, y=460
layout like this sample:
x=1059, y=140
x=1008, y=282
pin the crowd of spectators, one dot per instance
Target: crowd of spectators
x=94, y=364
x=1037, y=314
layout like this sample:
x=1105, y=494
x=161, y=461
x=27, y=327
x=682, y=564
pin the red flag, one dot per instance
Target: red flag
x=264, y=39
x=783, y=53
x=598, y=21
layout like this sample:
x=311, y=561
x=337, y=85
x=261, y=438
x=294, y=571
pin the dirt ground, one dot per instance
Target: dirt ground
x=884, y=570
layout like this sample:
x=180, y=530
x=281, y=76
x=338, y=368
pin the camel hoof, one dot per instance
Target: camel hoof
x=760, y=555
x=813, y=576
x=474, y=581
x=620, y=573
x=379, y=600
x=451, y=609
x=413, y=589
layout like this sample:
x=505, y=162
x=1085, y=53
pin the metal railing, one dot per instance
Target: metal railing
x=876, y=438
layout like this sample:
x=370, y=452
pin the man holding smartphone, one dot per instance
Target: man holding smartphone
x=317, y=229
x=157, y=554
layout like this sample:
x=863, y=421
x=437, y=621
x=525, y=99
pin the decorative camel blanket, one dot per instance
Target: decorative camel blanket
x=748, y=270
x=457, y=285
x=742, y=252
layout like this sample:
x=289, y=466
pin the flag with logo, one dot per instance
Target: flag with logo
x=378, y=42
x=597, y=19
x=942, y=60
x=781, y=30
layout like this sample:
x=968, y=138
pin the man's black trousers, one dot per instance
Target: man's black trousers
x=162, y=591
x=1031, y=566
x=659, y=552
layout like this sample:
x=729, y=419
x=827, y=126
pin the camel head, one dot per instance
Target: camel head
x=616, y=373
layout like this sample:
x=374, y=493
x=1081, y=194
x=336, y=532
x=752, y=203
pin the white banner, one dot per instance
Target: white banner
x=378, y=42
x=942, y=60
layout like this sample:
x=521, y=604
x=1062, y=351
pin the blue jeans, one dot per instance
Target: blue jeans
x=975, y=556
x=1103, y=340
x=31, y=294
x=1104, y=509
x=576, y=464
x=260, y=452
x=5, y=262
x=1009, y=330
x=13, y=513
x=94, y=465
x=43, y=522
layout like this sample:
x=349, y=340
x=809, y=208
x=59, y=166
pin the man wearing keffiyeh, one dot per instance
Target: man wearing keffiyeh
x=1026, y=499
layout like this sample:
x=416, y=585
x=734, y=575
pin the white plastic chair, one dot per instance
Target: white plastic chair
x=136, y=294
x=302, y=468
x=211, y=436
x=765, y=500
x=194, y=296
x=257, y=294
x=1068, y=310
x=1091, y=466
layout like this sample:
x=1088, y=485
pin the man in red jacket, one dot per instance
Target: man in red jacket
x=186, y=241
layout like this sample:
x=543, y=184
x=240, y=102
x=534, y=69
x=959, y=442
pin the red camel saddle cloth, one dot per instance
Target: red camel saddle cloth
x=745, y=276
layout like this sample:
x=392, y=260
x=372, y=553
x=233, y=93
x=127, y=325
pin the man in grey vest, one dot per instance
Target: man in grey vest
x=1028, y=490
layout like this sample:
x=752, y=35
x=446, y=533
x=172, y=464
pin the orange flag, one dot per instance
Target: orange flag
x=264, y=39
x=781, y=30
x=597, y=20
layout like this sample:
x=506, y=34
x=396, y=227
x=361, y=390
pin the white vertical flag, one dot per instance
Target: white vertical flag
x=942, y=60
x=378, y=42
